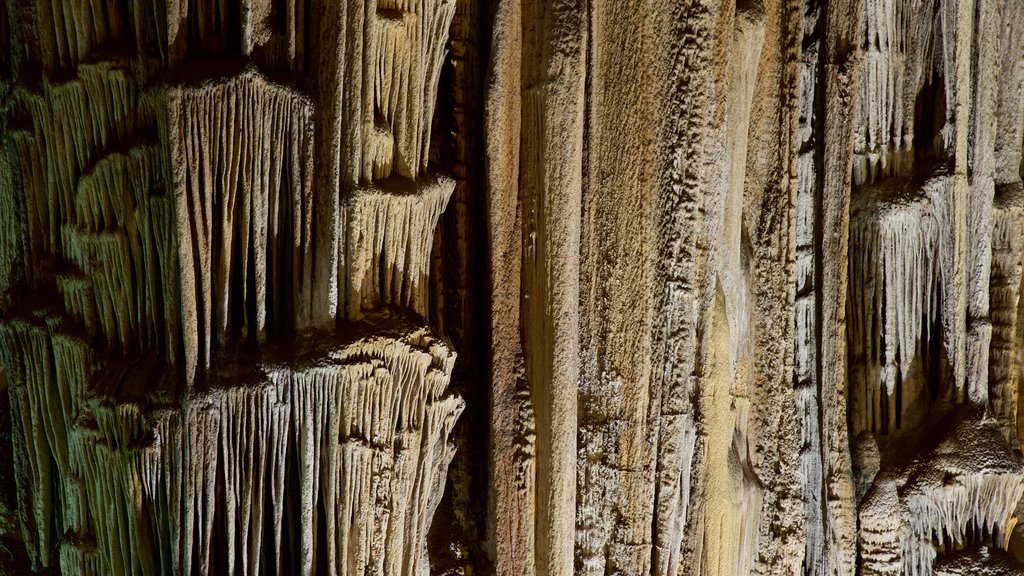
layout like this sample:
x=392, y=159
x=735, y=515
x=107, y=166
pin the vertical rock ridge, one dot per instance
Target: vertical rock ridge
x=806, y=323
x=554, y=56
x=1007, y=260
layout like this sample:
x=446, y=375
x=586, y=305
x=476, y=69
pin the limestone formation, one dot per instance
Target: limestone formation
x=734, y=288
x=179, y=402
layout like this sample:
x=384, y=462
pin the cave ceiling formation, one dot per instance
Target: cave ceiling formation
x=511, y=287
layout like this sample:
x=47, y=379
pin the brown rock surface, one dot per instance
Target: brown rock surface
x=734, y=287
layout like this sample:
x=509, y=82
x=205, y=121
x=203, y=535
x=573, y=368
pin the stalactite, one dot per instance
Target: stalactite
x=894, y=287
x=50, y=370
x=243, y=213
x=967, y=485
x=71, y=32
x=735, y=287
x=75, y=124
x=140, y=487
x=389, y=235
x=11, y=235
x=899, y=51
x=404, y=64
x=177, y=221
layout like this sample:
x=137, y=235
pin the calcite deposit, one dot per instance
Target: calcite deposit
x=511, y=287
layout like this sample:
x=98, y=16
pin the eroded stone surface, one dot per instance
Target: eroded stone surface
x=188, y=391
x=735, y=286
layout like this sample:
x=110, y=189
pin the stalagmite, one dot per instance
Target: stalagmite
x=734, y=287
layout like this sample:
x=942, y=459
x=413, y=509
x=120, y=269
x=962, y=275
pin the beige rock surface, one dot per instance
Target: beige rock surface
x=734, y=287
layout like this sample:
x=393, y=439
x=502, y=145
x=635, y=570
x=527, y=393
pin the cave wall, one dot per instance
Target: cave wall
x=733, y=287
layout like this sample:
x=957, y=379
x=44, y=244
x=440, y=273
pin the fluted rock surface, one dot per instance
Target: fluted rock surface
x=190, y=390
x=735, y=287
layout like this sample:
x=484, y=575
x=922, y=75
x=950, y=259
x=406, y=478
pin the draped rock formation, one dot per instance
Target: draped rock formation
x=214, y=344
x=734, y=287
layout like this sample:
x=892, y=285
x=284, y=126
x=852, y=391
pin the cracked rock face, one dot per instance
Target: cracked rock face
x=734, y=287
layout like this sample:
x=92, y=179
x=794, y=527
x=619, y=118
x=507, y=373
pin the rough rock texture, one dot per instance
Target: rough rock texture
x=215, y=358
x=735, y=287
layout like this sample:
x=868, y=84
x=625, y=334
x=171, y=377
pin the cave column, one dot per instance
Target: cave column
x=841, y=67
x=958, y=26
x=554, y=74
